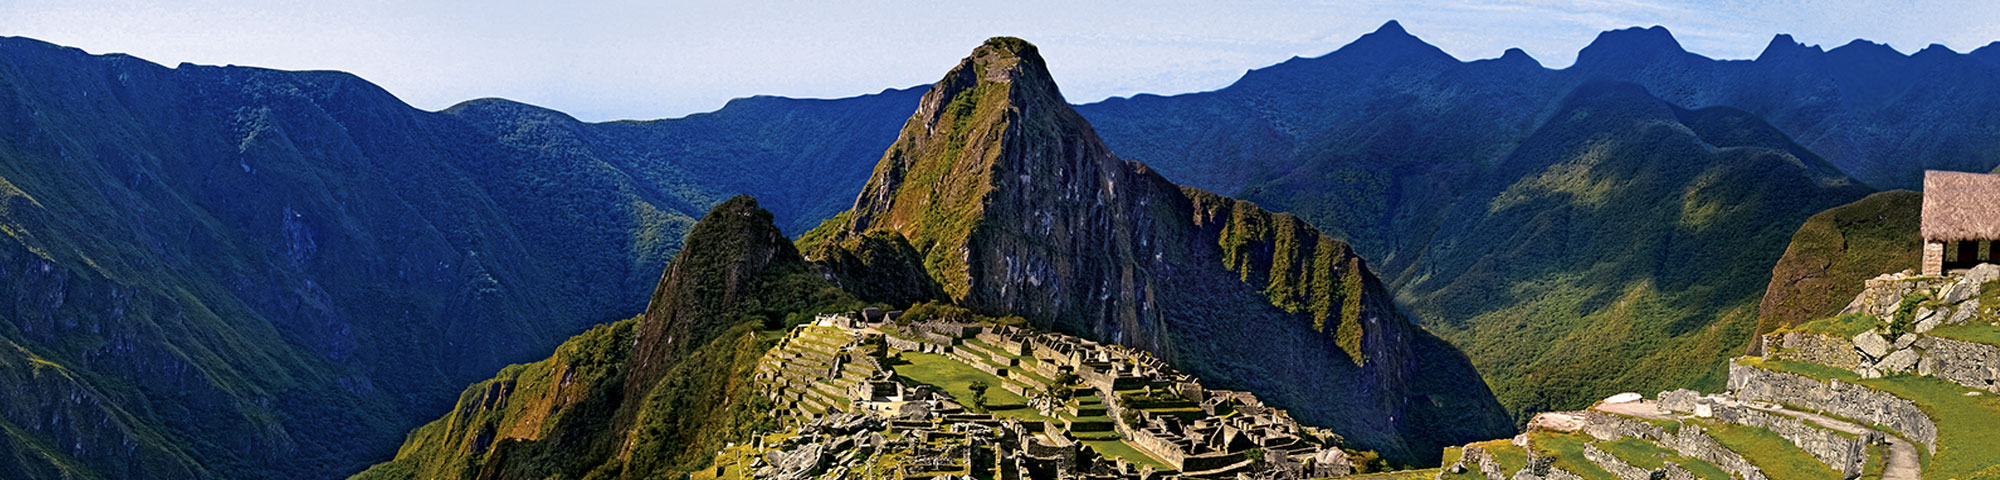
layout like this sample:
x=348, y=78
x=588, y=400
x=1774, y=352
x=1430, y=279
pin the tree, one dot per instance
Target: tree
x=978, y=389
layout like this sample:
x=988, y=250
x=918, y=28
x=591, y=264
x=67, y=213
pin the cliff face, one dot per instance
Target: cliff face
x=1017, y=207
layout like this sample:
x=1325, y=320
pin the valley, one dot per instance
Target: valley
x=1384, y=262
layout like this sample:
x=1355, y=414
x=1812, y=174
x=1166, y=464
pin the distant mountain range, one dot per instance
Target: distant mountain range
x=241, y=272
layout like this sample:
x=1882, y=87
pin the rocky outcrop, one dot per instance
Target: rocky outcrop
x=1913, y=306
x=1836, y=397
x=1016, y=207
x=644, y=398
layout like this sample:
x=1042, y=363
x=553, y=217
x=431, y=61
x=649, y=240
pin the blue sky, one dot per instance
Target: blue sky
x=601, y=60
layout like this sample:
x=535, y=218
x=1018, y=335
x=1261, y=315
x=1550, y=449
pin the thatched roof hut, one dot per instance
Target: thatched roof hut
x=1961, y=219
x=1961, y=206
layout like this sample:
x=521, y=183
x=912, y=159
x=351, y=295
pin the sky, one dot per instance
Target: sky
x=644, y=59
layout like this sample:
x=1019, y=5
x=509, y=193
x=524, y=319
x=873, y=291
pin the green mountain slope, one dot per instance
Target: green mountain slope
x=1587, y=263
x=1516, y=209
x=1017, y=208
x=1835, y=251
x=249, y=273
x=652, y=397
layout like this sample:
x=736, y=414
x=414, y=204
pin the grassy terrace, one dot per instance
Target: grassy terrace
x=1425, y=474
x=1968, y=427
x=1844, y=326
x=1511, y=459
x=1969, y=332
x=1120, y=449
x=954, y=378
x=1644, y=454
x=1024, y=373
x=1568, y=450
x=1770, y=452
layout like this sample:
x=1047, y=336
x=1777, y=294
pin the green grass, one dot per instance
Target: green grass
x=1646, y=455
x=1120, y=449
x=1844, y=326
x=955, y=379
x=1878, y=456
x=1967, y=426
x=1971, y=332
x=952, y=377
x=1778, y=457
x=1425, y=474
x=1567, y=448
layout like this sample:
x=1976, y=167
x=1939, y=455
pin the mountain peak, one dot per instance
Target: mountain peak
x=1390, y=40
x=1392, y=28
x=1935, y=50
x=1783, y=46
x=1629, y=43
x=1518, y=56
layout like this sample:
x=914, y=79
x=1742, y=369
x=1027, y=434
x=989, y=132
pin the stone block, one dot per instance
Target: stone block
x=1871, y=344
x=1898, y=362
x=1904, y=341
x=1923, y=313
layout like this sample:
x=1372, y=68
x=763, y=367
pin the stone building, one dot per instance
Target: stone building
x=1961, y=220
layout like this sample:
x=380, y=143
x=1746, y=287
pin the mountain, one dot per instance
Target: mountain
x=1403, y=151
x=1866, y=108
x=248, y=273
x=1018, y=208
x=648, y=397
x=1835, y=251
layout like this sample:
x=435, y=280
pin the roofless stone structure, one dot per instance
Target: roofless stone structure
x=1961, y=220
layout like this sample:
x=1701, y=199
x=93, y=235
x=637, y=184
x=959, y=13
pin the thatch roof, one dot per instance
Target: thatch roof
x=1961, y=206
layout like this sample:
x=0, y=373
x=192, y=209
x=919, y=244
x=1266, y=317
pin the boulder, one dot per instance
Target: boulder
x=1968, y=285
x=1905, y=340
x=1868, y=372
x=1871, y=344
x=1935, y=321
x=1965, y=312
x=1898, y=362
x=1923, y=313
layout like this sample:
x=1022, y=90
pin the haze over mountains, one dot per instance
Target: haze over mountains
x=239, y=272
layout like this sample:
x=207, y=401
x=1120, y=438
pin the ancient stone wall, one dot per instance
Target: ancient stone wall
x=1835, y=397
x=1611, y=463
x=1690, y=441
x=1813, y=348
x=1608, y=427
x=1842, y=453
x=1477, y=459
x=1975, y=365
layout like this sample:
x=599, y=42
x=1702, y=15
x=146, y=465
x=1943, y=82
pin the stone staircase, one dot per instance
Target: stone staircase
x=814, y=371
